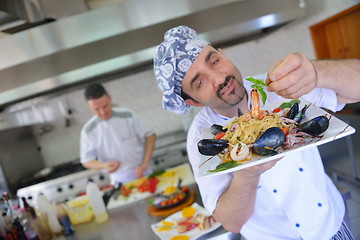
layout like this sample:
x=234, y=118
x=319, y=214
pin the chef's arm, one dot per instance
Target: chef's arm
x=107, y=166
x=235, y=206
x=342, y=76
x=149, y=148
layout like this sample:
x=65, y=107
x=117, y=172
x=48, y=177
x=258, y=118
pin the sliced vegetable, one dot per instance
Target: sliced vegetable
x=219, y=135
x=276, y=110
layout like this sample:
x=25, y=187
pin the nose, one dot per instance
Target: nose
x=218, y=78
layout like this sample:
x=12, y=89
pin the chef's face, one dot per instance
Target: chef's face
x=213, y=80
x=101, y=106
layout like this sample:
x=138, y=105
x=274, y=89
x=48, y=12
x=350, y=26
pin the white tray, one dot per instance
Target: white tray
x=337, y=129
x=192, y=234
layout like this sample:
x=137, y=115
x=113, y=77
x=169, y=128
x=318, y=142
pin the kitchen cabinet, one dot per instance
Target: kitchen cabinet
x=338, y=36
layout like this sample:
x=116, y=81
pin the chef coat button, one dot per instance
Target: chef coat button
x=301, y=169
x=259, y=187
x=319, y=205
x=297, y=225
x=275, y=191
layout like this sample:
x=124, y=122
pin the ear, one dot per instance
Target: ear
x=221, y=51
x=193, y=103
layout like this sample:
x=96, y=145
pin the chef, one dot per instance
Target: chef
x=115, y=140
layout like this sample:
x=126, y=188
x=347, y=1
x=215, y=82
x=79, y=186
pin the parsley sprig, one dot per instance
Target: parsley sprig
x=258, y=84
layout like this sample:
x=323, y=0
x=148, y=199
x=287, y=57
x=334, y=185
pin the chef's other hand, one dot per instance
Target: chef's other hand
x=112, y=166
x=257, y=170
x=292, y=77
x=139, y=170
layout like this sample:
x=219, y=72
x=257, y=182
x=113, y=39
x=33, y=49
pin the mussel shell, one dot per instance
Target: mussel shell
x=298, y=117
x=271, y=139
x=211, y=147
x=215, y=129
x=315, y=126
x=294, y=110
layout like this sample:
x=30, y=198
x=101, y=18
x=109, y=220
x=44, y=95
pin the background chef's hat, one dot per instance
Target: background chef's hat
x=172, y=60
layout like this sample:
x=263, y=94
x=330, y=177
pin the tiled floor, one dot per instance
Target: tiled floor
x=342, y=162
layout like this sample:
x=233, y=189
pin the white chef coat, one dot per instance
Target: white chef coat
x=119, y=138
x=295, y=199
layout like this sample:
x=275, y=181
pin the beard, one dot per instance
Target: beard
x=236, y=95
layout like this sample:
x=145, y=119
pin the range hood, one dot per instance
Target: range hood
x=121, y=37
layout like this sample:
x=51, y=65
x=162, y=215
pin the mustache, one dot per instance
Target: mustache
x=225, y=83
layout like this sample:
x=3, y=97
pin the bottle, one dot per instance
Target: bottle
x=14, y=229
x=26, y=221
x=54, y=223
x=42, y=205
x=28, y=208
x=64, y=219
x=96, y=202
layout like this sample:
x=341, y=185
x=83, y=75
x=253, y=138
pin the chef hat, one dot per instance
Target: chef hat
x=172, y=60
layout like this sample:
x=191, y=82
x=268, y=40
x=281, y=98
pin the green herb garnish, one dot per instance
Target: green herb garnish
x=289, y=104
x=224, y=166
x=258, y=84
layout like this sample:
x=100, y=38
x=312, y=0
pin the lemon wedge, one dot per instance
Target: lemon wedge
x=166, y=223
x=180, y=237
x=170, y=190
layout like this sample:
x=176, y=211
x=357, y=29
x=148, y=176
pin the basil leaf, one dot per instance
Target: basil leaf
x=289, y=104
x=258, y=85
x=224, y=166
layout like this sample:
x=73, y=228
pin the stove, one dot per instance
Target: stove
x=70, y=179
x=63, y=188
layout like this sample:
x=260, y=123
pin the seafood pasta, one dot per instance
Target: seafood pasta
x=246, y=130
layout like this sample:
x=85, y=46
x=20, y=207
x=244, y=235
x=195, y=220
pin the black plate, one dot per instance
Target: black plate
x=173, y=204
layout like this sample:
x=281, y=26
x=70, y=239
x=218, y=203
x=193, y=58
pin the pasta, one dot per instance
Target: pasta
x=247, y=130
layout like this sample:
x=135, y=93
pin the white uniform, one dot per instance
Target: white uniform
x=120, y=138
x=295, y=199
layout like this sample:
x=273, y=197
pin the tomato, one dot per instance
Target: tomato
x=184, y=189
x=219, y=135
x=276, y=110
x=285, y=130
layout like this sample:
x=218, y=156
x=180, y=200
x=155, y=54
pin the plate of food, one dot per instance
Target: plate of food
x=188, y=224
x=266, y=134
x=170, y=197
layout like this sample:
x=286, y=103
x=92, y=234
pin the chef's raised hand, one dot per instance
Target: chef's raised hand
x=292, y=77
x=112, y=166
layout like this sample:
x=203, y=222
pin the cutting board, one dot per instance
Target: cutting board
x=171, y=176
x=155, y=212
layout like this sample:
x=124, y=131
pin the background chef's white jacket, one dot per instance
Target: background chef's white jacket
x=120, y=138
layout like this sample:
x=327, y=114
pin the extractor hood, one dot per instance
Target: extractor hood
x=119, y=37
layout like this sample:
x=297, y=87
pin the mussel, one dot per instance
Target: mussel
x=211, y=147
x=215, y=129
x=271, y=139
x=300, y=115
x=315, y=126
x=293, y=111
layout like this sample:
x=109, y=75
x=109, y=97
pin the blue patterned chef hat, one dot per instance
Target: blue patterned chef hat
x=172, y=60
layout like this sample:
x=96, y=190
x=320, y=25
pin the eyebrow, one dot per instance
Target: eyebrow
x=207, y=58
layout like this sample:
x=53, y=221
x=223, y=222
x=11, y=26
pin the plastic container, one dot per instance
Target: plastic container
x=96, y=202
x=79, y=210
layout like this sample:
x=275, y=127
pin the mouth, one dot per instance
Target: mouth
x=228, y=88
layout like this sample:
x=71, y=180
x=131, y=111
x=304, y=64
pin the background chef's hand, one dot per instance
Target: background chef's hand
x=139, y=170
x=112, y=166
x=292, y=77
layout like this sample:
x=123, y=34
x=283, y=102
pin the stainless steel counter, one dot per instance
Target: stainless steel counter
x=132, y=222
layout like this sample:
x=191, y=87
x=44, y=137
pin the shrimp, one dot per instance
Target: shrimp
x=255, y=111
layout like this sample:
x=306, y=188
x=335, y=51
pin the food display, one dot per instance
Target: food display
x=280, y=128
x=189, y=223
x=172, y=196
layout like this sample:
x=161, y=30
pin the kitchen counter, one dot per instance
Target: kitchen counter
x=129, y=220
x=132, y=222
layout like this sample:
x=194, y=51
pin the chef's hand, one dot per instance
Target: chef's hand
x=292, y=77
x=257, y=170
x=112, y=166
x=139, y=170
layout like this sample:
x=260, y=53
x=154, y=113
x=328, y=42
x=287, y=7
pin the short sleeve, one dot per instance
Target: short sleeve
x=87, y=149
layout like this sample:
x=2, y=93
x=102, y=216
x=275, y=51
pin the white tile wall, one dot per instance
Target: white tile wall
x=140, y=93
